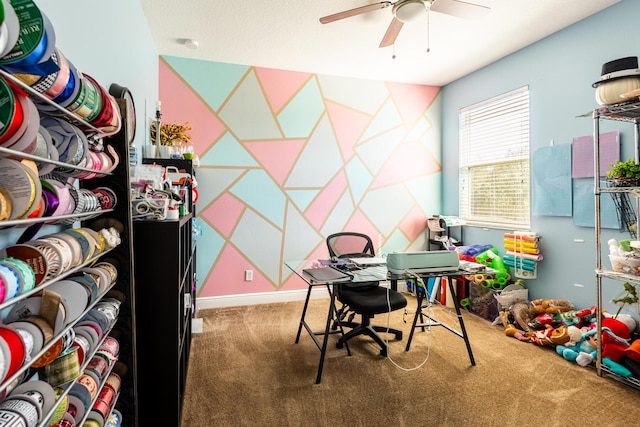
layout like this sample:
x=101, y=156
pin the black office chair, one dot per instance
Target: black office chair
x=364, y=298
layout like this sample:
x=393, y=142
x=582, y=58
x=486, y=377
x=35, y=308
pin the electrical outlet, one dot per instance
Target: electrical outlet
x=248, y=275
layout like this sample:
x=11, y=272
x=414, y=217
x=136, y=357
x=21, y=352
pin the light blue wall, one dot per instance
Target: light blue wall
x=559, y=71
x=110, y=41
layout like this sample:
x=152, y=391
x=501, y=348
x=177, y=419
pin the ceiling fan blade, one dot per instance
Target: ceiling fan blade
x=392, y=33
x=354, y=12
x=459, y=8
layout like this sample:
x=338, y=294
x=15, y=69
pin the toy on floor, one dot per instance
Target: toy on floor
x=616, y=334
x=547, y=337
x=551, y=306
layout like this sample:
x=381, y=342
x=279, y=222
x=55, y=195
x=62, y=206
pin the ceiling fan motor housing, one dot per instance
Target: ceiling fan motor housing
x=410, y=10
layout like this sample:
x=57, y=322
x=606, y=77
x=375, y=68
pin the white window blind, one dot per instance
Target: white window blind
x=494, y=162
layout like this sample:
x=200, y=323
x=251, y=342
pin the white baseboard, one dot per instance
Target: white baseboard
x=258, y=298
x=267, y=297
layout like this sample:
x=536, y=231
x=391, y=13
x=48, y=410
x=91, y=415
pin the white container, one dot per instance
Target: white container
x=623, y=264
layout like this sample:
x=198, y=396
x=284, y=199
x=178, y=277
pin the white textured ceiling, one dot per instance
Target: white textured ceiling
x=287, y=34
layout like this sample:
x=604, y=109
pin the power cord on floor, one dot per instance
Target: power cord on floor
x=420, y=283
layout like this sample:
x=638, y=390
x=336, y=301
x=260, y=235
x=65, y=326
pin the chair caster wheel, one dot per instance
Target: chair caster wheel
x=383, y=353
x=399, y=336
x=339, y=344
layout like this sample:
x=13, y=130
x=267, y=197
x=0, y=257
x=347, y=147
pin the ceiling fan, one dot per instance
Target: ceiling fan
x=405, y=11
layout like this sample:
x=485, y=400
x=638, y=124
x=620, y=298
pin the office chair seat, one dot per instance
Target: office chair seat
x=368, y=303
x=364, y=298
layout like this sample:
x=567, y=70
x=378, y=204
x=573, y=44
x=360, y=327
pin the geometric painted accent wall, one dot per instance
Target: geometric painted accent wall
x=287, y=158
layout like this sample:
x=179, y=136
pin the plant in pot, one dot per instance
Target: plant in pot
x=173, y=136
x=630, y=297
x=624, y=174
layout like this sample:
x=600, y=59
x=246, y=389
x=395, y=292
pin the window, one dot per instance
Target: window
x=494, y=162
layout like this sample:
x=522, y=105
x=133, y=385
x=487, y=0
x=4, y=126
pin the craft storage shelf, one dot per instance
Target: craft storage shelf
x=182, y=165
x=437, y=229
x=165, y=296
x=629, y=113
x=120, y=256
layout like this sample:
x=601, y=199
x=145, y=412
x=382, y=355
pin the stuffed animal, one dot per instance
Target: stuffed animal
x=551, y=306
x=615, y=339
x=575, y=346
x=572, y=317
x=547, y=337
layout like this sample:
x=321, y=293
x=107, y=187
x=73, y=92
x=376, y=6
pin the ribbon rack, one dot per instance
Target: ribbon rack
x=522, y=253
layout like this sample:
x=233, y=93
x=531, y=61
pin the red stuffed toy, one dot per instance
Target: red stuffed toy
x=615, y=340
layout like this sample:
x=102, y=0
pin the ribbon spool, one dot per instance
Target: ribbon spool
x=17, y=350
x=24, y=270
x=11, y=282
x=88, y=103
x=63, y=369
x=38, y=390
x=106, y=196
x=11, y=114
x=10, y=28
x=26, y=406
x=36, y=42
x=25, y=191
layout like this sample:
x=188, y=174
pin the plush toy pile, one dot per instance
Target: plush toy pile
x=548, y=322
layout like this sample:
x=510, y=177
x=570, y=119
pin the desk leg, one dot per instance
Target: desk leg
x=456, y=303
x=415, y=319
x=332, y=311
x=304, y=313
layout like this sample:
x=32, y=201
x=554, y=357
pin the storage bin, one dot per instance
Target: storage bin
x=629, y=265
x=482, y=301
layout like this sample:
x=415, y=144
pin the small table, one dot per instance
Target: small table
x=364, y=275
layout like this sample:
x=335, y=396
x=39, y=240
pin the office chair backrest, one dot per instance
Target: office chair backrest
x=349, y=244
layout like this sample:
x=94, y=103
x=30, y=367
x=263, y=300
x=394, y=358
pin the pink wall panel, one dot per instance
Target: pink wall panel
x=403, y=154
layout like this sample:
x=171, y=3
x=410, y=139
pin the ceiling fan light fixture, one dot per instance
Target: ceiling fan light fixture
x=409, y=10
x=191, y=43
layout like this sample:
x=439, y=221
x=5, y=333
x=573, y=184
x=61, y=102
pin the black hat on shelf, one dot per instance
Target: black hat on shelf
x=619, y=68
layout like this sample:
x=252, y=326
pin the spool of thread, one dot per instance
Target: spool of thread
x=479, y=278
x=502, y=275
x=497, y=285
x=487, y=283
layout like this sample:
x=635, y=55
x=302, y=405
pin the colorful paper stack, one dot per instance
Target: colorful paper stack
x=522, y=253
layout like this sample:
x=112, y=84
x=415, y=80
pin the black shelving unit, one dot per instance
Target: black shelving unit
x=164, y=256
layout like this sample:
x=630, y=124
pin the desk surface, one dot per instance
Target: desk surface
x=380, y=272
x=369, y=274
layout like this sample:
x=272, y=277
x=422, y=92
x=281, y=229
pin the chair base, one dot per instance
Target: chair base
x=371, y=331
